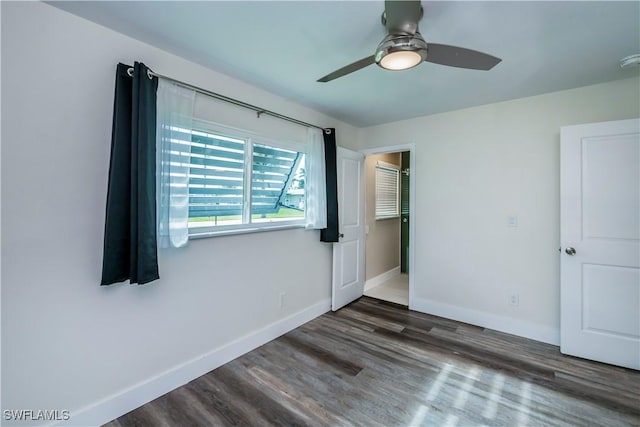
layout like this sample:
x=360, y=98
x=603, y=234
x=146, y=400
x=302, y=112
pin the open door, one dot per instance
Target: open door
x=348, y=253
x=600, y=237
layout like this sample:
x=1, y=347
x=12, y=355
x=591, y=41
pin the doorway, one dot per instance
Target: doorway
x=388, y=224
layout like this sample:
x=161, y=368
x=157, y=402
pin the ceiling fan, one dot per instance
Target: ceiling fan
x=404, y=47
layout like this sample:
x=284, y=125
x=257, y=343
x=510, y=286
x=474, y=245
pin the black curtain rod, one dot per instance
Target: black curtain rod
x=233, y=101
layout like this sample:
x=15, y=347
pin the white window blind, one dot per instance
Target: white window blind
x=387, y=190
x=241, y=181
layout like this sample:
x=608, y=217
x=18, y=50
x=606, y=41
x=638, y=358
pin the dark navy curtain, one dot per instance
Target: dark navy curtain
x=331, y=233
x=130, y=249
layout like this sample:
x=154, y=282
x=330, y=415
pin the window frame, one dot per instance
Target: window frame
x=247, y=226
x=395, y=169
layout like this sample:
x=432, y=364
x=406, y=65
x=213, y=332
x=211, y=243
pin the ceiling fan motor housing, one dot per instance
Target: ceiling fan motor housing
x=393, y=43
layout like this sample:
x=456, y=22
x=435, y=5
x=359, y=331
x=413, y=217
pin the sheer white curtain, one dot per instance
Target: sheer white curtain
x=315, y=181
x=173, y=136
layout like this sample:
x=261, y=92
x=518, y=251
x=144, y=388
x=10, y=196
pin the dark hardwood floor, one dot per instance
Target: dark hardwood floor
x=377, y=364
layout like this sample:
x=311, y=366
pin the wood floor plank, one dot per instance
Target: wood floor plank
x=341, y=363
x=378, y=364
x=318, y=376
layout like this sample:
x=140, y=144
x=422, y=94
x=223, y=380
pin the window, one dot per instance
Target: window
x=240, y=181
x=387, y=190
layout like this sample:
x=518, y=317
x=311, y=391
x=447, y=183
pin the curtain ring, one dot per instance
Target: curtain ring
x=327, y=131
x=130, y=72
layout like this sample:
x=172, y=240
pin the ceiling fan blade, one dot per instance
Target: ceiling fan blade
x=460, y=57
x=402, y=16
x=349, y=69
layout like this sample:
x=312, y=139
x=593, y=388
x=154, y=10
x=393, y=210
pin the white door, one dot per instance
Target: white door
x=348, y=253
x=600, y=237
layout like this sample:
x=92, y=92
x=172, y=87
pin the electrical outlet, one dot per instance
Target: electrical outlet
x=514, y=299
x=283, y=299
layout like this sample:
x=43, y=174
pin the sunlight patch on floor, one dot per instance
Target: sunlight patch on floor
x=419, y=416
x=463, y=393
x=525, y=402
x=452, y=420
x=496, y=393
x=437, y=384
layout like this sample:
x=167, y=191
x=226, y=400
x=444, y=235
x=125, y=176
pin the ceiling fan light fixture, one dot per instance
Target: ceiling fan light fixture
x=401, y=52
x=400, y=60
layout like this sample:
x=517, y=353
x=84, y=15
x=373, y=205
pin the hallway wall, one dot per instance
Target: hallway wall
x=382, y=249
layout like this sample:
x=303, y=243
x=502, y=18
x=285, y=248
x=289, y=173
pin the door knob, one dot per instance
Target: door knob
x=570, y=251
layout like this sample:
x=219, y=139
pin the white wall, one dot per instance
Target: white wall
x=475, y=168
x=68, y=343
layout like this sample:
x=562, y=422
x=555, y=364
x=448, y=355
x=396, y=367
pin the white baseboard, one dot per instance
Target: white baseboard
x=381, y=278
x=119, y=404
x=505, y=324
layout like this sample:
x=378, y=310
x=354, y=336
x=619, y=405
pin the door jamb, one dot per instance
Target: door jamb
x=411, y=148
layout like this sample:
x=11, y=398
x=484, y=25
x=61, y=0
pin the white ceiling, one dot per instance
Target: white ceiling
x=284, y=47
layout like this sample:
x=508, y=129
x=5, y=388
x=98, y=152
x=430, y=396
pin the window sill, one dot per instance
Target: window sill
x=205, y=232
x=382, y=218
